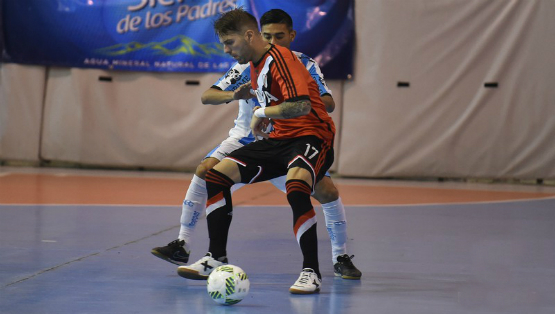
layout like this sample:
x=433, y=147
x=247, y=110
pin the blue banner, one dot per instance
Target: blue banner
x=162, y=35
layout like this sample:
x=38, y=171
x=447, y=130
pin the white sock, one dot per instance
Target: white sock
x=192, y=209
x=336, y=223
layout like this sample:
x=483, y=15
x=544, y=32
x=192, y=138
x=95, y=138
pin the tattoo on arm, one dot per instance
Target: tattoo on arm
x=295, y=109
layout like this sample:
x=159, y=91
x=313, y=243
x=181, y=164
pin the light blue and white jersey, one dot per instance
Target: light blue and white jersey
x=240, y=74
x=236, y=76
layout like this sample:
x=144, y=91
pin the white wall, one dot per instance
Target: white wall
x=21, y=99
x=137, y=119
x=446, y=124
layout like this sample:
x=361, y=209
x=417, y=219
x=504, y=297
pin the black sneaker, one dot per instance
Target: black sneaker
x=174, y=252
x=345, y=267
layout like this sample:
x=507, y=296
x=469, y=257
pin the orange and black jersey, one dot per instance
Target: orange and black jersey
x=280, y=76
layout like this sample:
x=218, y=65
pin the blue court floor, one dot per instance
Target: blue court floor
x=461, y=258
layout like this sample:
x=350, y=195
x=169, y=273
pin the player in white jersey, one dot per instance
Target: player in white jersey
x=276, y=29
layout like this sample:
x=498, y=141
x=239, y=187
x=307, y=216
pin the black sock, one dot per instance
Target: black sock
x=219, y=211
x=304, y=222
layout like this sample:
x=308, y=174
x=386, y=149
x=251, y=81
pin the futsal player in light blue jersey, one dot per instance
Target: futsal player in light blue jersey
x=277, y=28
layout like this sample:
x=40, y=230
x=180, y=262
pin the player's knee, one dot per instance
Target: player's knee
x=201, y=171
x=326, y=192
x=204, y=167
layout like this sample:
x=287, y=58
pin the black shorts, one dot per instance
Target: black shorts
x=272, y=158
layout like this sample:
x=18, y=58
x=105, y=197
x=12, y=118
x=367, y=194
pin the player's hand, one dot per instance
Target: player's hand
x=259, y=125
x=243, y=92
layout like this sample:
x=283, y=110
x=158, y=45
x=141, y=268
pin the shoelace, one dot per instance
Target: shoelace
x=305, y=277
x=346, y=260
x=176, y=242
x=202, y=260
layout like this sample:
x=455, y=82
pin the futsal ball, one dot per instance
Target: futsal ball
x=228, y=284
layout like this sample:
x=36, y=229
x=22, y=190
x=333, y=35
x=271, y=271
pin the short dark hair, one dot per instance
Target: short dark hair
x=276, y=16
x=234, y=21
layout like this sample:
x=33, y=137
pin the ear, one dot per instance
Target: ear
x=293, y=34
x=249, y=36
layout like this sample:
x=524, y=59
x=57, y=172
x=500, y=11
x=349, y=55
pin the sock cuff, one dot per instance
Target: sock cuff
x=295, y=185
x=198, y=181
x=216, y=177
x=332, y=204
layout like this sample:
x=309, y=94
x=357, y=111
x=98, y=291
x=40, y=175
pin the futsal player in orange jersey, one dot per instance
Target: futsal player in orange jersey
x=300, y=146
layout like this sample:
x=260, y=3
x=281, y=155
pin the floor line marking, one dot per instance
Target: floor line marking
x=51, y=268
x=87, y=256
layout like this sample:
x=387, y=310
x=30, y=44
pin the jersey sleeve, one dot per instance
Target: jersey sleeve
x=236, y=76
x=318, y=77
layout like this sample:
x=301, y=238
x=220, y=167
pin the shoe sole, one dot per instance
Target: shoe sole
x=347, y=277
x=297, y=291
x=167, y=259
x=190, y=274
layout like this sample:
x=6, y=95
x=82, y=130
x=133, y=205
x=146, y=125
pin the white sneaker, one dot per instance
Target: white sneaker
x=201, y=269
x=307, y=283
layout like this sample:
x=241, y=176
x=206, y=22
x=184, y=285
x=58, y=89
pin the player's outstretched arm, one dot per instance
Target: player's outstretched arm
x=285, y=110
x=289, y=110
x=214, y=96
x=244, y=92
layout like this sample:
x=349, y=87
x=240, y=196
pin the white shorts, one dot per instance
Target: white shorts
x=227, y=146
